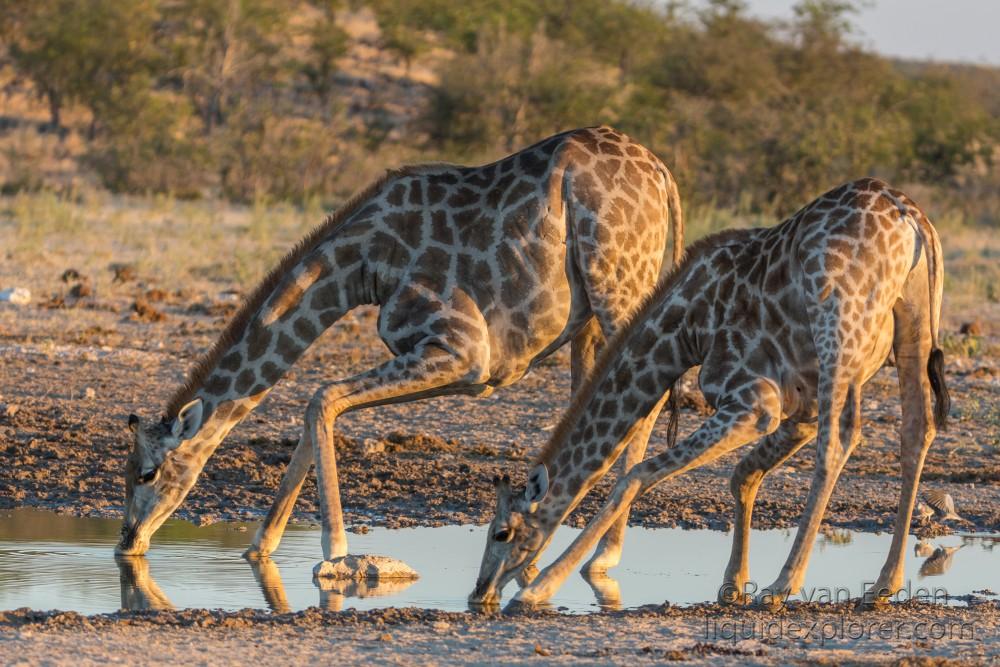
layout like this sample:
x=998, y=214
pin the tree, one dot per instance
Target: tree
x=327, y=43
x=516, y=89
x=224, y=48
x=88, y=51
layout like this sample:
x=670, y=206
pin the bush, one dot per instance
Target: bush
x=152, y=143
x=515, y=90
x=279, y=158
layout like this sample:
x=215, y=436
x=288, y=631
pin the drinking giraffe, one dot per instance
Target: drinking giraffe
x=479, y=273
x=787, y=323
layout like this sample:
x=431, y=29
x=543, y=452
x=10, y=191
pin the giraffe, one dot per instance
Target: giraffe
x=787, y=323
x=479, y=273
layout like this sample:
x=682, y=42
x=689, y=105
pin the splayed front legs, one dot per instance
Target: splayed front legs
x=732, y=426
x=429, y=370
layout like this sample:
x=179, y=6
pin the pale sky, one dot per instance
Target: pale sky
x=944, y=30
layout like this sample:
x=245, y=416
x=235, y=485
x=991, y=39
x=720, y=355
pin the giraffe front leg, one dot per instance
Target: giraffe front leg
x=268, y=535
x=733, y=425
x=767, y=455
x=433, y=368
x=320, y=415
x=609, y=550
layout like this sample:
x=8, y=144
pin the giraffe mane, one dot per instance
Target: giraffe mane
x=251, y=304
x=561, y=433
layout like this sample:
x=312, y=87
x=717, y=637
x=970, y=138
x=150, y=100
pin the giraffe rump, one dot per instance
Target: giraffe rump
x=586, y=392
x=252, y=304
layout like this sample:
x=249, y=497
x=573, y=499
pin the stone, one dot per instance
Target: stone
x=371, y=447
x=17, y=296
x=974, y=328
x=367, y=567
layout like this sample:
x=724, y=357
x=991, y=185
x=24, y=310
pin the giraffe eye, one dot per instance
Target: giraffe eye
x=503, y=535
x=149, y=476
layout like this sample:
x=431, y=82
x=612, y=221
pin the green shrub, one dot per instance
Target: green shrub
x=152, y=143
x=277, y=158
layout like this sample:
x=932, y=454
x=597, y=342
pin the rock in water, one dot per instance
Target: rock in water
x=358, y=568
x=17, y=296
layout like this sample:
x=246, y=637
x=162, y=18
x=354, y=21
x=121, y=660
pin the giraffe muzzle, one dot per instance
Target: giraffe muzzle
x=131, y=542
x=485, y=593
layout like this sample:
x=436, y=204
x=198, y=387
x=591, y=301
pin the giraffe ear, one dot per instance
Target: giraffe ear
x=538, y=485
x=188, y=421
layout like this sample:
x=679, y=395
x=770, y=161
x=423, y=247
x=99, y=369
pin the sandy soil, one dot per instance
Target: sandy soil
x=700, y=635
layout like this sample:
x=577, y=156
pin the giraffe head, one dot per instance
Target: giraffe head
x=515, y=535
x=157, y=474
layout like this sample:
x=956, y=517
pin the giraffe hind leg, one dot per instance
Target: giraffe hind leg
x=841, y=366
x=769, y=453
x=617, y=278
x=912, y=346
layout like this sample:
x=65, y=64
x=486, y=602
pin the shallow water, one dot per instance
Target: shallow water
x=55, y=562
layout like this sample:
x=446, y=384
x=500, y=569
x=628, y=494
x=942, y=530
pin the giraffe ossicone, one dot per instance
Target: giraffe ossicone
x=479, y=274
x=787, y=324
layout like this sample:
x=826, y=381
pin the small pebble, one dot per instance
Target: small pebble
x=371, y=446
x=17, y=296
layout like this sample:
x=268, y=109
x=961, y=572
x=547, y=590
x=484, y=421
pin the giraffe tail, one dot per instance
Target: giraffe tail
x=935, y=282
x=676, y=250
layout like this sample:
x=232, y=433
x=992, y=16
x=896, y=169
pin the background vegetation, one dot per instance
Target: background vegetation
x=258, y=99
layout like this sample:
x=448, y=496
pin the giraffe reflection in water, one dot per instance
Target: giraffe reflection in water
x=139, y=591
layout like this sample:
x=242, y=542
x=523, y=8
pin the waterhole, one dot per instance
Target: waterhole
x=49, y=561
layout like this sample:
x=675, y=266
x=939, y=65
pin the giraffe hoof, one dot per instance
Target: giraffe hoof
x=255, y=553
x=770, y=600
x=600, y=564
x=731, y=594
x=875, y=598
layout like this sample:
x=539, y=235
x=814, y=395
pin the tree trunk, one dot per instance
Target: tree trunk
x=55, y=108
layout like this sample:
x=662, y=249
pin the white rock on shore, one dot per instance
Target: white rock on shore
x=357, y=568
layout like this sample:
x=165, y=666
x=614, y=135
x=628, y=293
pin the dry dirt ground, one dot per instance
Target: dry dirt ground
x=77, y=360
x=706, y=635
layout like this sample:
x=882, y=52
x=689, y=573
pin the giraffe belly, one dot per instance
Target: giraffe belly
x=517, y=351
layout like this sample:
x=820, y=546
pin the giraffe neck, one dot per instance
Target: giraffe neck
x=245, y=364
x=637, y=368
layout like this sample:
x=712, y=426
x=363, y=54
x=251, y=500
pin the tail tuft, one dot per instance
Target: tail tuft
x=673, y=405
x=942, y=401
